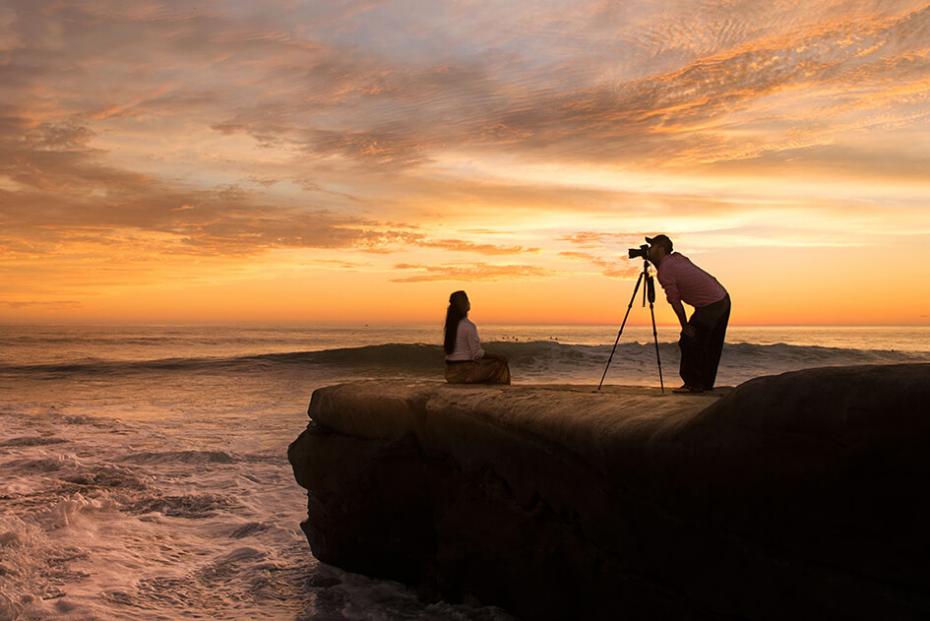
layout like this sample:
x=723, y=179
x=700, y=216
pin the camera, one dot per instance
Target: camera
x=642, y=251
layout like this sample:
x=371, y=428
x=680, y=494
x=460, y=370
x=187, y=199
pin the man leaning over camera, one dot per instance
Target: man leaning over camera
x=702, y=336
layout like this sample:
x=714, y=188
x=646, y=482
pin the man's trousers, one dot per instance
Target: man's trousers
x=700, y=354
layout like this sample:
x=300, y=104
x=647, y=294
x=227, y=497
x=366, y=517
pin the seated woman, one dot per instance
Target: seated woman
x=466, y=362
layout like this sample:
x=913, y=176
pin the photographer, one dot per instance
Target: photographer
x=702, y=336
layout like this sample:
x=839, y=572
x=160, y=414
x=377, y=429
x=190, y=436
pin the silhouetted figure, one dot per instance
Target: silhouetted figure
x=466, y=361
x=703, y=334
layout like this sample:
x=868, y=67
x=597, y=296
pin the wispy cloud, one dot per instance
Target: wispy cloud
x=613, y=268
x=160, y=131
x=476, y=271
x=47, y=304
x=459, y=245
x=64, y=185
x=592, y=239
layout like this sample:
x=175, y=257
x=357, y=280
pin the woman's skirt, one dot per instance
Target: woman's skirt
x=485, y=370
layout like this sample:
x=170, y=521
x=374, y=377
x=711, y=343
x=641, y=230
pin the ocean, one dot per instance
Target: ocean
x=145, y=472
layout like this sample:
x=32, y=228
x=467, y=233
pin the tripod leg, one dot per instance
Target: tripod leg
x=617, y=340
x=655, y=338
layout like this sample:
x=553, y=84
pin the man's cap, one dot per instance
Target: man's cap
x=660, y=240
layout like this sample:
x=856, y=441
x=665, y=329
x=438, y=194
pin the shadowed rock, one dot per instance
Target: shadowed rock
x=798, y=495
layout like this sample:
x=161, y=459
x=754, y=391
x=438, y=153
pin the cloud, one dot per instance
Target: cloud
x=338, y=263
x=592, y=239
x=664, y=117
x=609, y=267
x=219, y=130
x=161, y=102
x=458, y=245
x=212, y=223
x=681, y=115
x=383, y=148
x=476, y=271
x=44, y=304
x=64, y=186
x=902, y=162
x=628, y=84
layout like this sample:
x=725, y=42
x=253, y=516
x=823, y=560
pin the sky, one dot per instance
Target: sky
x=357, y=161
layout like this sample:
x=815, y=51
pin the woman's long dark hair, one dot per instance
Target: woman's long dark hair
x=454, y=314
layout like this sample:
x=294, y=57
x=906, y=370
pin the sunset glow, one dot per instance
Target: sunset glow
x=356, y=161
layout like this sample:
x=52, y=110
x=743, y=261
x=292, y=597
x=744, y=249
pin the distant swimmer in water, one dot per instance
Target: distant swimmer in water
x=466, y=361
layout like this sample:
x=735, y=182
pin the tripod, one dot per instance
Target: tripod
x=649, y=291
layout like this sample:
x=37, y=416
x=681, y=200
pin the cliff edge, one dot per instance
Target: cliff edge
x=797, y=495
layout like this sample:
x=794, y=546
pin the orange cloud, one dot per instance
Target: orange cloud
x=610, y=268
x=477, y=271
x=144, y=144
x=459, y=245
x=48, y=304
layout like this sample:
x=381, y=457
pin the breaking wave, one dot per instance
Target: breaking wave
x=421, y=359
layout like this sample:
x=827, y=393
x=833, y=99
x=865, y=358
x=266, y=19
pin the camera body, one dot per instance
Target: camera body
x=642, y=252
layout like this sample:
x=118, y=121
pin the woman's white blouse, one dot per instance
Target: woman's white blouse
x=467, y=345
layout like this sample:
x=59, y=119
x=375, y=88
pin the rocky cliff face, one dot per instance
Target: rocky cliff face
x=799, y=495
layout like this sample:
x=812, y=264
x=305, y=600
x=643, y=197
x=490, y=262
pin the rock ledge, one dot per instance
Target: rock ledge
x=797, y=495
